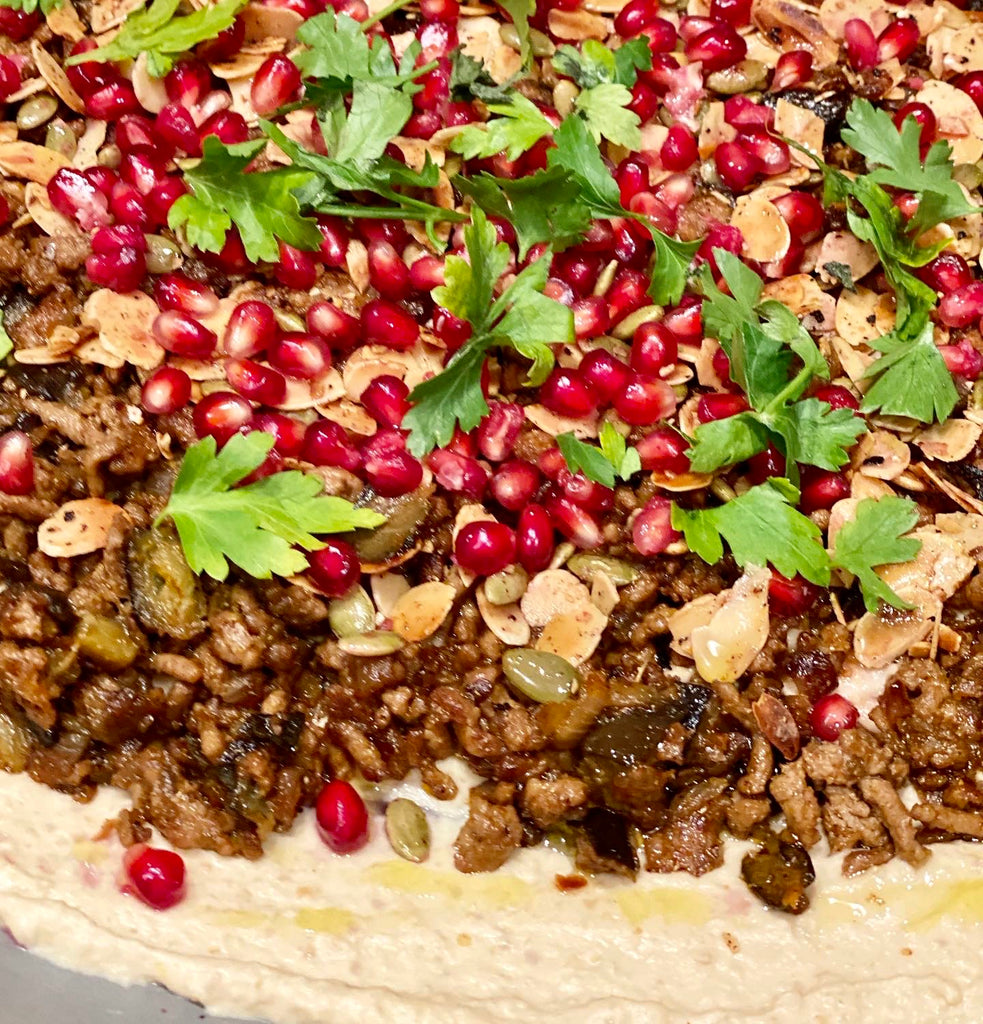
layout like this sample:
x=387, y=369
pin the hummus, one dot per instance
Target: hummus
x=304, y=936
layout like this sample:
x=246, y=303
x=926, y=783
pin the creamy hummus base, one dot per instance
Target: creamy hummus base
x=305, y=937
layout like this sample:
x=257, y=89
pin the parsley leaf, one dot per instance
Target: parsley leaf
x=594, y=63
x=842, y=273
x=46, y=6
x=470, y=78
x=158, y=33
x=261, y=205
x=520, y=11
x=521, y=317
x=605, y=110
x=604, y=465
x=6, y=344
x=521, y=125
x=257, y=527
x=760, y=526
x=872, y=538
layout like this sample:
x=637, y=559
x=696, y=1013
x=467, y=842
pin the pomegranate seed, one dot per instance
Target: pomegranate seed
x=327, y=444
x=604, y=374
x=578, y=270
x=166, y=390
x=135, y=132
x=342, y=820
x=220, y=415
x=923, y=116
x=499, y=430
x=972, y=85
x=385, y=400
x=552, y=463
x=299, y=355
x=112, y=101
x=558, y=291
x=183, y=335
x=338, y=328
x=899, y=40
x=176, y=127
x=305, y=8
x=740, y=112
x=514, y=484
x=789, y=597
x=736, y=166
x=644, y=400
x=793, y=68
x=451, y=330
x=962, y=307
x=75, y=195
x=836, y=396
x=963, y=359
x=599, y=238
x=334, y=248
x=719, y=47
x=88, y=76
x=686, y=322
x=142, y=169
x=590, y=317
x=178, y=291
x=426, y=273
x=719, y=406
x=584, y=492
x=335, y=568
x=458, y=474
x=663, y=451
x=574, y=522
x=632, y=177
x=645, y=102
x=690, y=26
x=765, y=465
x=721, y=367
x=255, y=381
x=676, y=190
x=628, y=292
x=392, y=231
x=651, y=530
x=679, y=152
x=463, y=444
x=821, y=489
x=803, y=213
x=287, y=432
x=4, y=210
x=384, y=323
x=128, y=206
x=830, y=715
x=772, y=153
x=440, y=10
x=251, y=329
x=225, y=45
x=947, y=273
x=18, y=25
x=296, y=268
x=276, y=83
x=485, y=547
x=122, y=269
x=534, y=538
x=388, y=274
x=188, y=82
x=163, y=197
x=155, y=876
x=629, y=249
x=389, y=468
x=565, y=393
x=861, y=44
x=635, y=17
x=735, y=12
x=653, y=349
x=9, y=77
x=227, y=126
x=16, y=463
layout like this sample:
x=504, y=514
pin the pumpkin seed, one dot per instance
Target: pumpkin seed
x=288, y=321
x=109, y=156
x=606, y=278
x=627, y=327
x=509, y=35
x=408, y=830
x=163, y=255
x=507, y=586
x=15, y=745
x=60, y=138
x=352, y=615
x=376, y=644
x=36, y=111
x=539, y=675
x=587, y=565
x=743, y=77
x=542, y=45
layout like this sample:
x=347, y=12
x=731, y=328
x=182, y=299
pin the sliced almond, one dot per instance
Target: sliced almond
x=550, y=593
x=107, y=14
x=951, y=441
x=47, y=218
x=959, y=119
x=842, y=247
x=58, y=346
x=554, y=424
x=54, y=74
x=765, y=230
x=93, y=351
x=306, y=394
x=150, y=91
x=77, y=528
x=803, y=126
x=777, y=724
x=714, y=130
x=124, y=322
x=881, y=455
x=370, y=361
x=578, y=25
x=89, y=143
x=694, y=614
x=420, y=611
x=680, y=483
x=349, y=415
x=31, y=162
x=65, y=22
x=574, y=635
x=940, y=568
x=357, y=264
x=266, y=22
x=878, y=641
x=506, y=621
x=863, y=315
x=604, y=593
x=724, y=648
x=387, y=589
x=834, y=14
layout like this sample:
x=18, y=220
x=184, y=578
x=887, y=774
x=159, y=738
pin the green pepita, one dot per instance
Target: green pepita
x=587, y=565
x=376, y=644
x=352, y=615
x=507, y=586
x=542, y=45
x=626, y=329
x=288, y=321
x=163, y=254
x=60, y=138
x=539, y=675
x=408, y=830
x=743, y=77
x=36, y=111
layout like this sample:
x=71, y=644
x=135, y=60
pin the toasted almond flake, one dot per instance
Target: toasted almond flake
x=33, y=163
x=714, y=130
x=58, y=347
x=550, y=593
x=506, y=621
x=803, y=126
x=125, y=325
x=724, y=648
x=349, y=415
x=370, y=361
x=29, y=87
x=199, y=369
x=47, y=218
x=65, y=22
x=479, y=39
x=393, y=562
x=604, y=593
x=357, y=263
x=881, y=455
x=690, y=617
x=93, y=351
x=854, y=361
x=843, y=247
x=877, y=642
x=387, y=589
x=793, y=26
x=966, y=527
x=868, y=487
x=863, y=315
x=420, y=611
x=306, y=394
x=245, y=64
x=89, y=143
x=578, y=25
x=680, y=483
x=940, y=568
x=765, y=230
x=777, y=724
x=107, y=14
x=842, y=512
x=8, y=131
x=834, y=14
x=265, y=22
x=957, y=494
x=960, y=121
x=149, y=91
x=805, y=298
x=574, y=635
x=955, y=49
x=553, y=424
x=53, y=73
x=951, y=441
x=77, y=528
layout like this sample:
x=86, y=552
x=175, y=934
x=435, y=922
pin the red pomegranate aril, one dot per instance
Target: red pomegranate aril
x=163, y=197
x=388, y=467
x=644, y=400
x=221, y=414
x=423, y=124
x=385, y=400
x=16, y=463
x=227, y=126
x=734, y=12
x=654, y=212
x=590, y=317
x=534, y=539
x=663, y=451
x=635, y=17
x=176, y=127
x=653, y=348
x=629, y=248
x=948, y=272
x=255, y=381
x=898, y=40
x=452, y=330
x=427, y=273
x=296, y=269
x=579, y=270
x=458, y=474
x=75, y=195
x=122, y=270
x=972, y=84
x=551, y=463
x=736, y=166
x=861, y=44
x=662, y=36
x=128, y=206
x=558, y=291
x=112, y=101
x=305, y=8
x=765, y=465
x=135, y=131
x=342, y=820
x=685, y=323
x=334, y=248
x=440, y=10
x=793, y=67
x=679, y=152
x=388, y=274
x=632, y=176
x=338, y=328
x=586, y=493
x=803, y=213
x=924, y=116
x=87, y=76
x=499, y=430
x=741, y=112
x=651, y=530
x=719, y=406
x=645, y=101
x=963, y=360
x=175, y=290
x=9, y=77
x=17, y=25
x=251, y=329
x=718, y=48
x=155, y=876
x=105, y=179
x=300, y=355
x=335, y=568
x=604, y=374
x=565, y=393
x=287, y=432
x=962, y=307
x=223, y=46
x=385, y=323
x=599, y=238
x=514, y=484
x=276, y=83
x=628, y=292
x=692, y=25
x=182, y=335
x=142, y=169
x=821, y=489
x=836, y=396
x=574, y=522
x=165, y=391
x=327, y=444
x=771, y=152
x=789, y=597
x=188, y=82
x=485, y=547
x=830, y=715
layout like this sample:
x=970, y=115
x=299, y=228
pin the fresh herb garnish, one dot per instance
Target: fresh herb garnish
x=520, y=11
x=471, y=79
x=259, y=526
x=605, y=465
x=261, y=205
x=842, y=273
x=6, y=343
x=762, y=340
x=521, y=318
x=157, y=32
x=519, y=126
x=29, y=6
